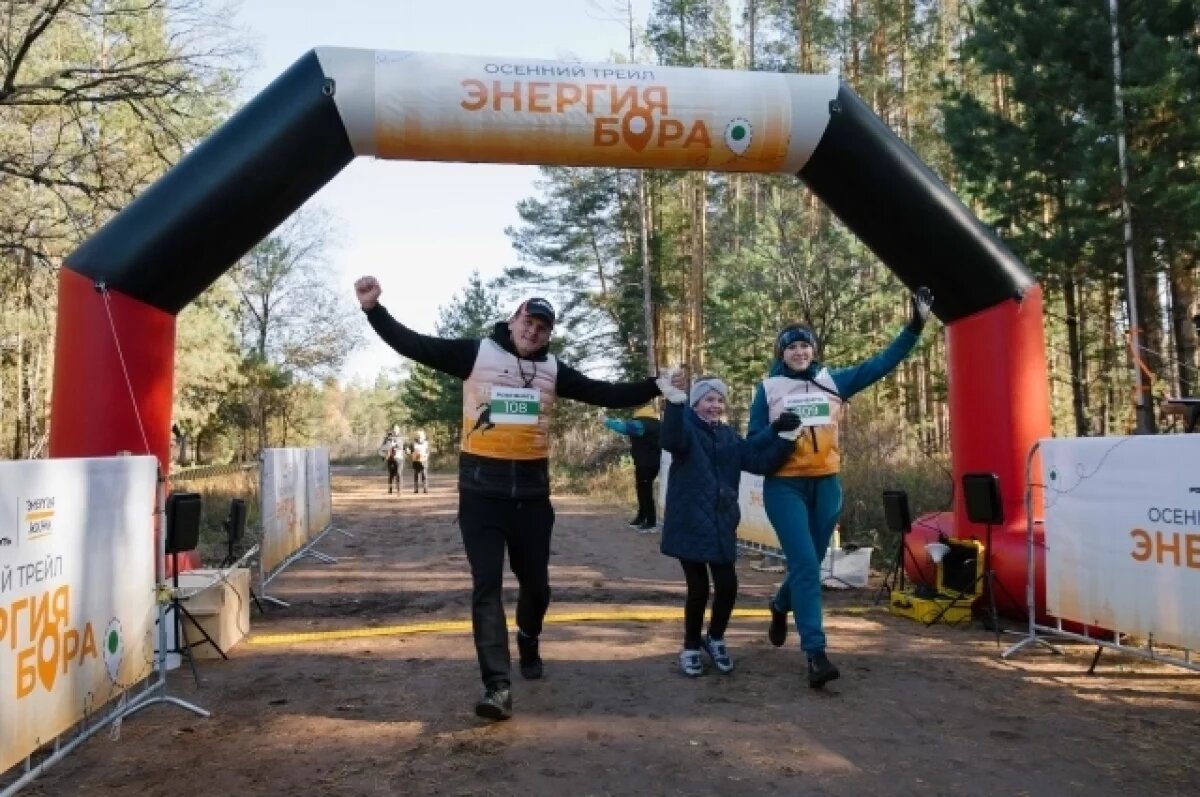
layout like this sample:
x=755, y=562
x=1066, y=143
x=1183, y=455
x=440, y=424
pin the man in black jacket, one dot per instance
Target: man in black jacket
x=642, y=430
x=510, y=383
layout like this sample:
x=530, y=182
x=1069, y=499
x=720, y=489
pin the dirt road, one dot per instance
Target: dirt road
x=918, y=711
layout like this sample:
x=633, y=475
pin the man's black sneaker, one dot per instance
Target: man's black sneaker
x=637, y=521
x=821, y=671
x=531, y=661
x=496, y=704
x=777, y=632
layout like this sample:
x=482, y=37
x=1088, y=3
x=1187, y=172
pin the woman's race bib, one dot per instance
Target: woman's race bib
x=814, y=409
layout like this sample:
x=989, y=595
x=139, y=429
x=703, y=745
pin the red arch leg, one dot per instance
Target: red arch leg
x=91, y=410
x=92, y=413
x=999, y=407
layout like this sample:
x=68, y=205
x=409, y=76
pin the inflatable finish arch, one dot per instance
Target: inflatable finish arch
x=333, y=104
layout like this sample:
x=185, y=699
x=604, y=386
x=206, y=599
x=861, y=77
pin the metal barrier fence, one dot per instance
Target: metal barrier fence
x=1115, y=639
x=146, y=687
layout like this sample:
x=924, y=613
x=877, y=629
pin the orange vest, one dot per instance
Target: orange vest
x=817, y=452
x=507, y=403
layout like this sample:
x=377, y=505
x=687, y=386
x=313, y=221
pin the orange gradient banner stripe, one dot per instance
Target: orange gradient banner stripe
x=453, y=108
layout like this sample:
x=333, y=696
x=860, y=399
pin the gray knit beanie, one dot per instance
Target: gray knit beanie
x=702, y=386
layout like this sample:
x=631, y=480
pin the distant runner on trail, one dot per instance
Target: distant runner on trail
x=418, y=455
x=390, y=450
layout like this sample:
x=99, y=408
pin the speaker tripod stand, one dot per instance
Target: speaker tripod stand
x=981, y=493
x=899, y=520
x=179, y=613
x=893, y=579
x=985, y=586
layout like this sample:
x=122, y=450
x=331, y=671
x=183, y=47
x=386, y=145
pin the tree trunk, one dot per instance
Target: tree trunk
x=20, y=392
x=647, y=280
x=1108, y=362
x=699, y=217
x=1183, y=300
x=801, y=31
x=751, y=19
x=1079, y=400
x=1148, y=343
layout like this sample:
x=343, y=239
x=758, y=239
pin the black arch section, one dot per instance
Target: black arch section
x=908, y=217
x=225, y=196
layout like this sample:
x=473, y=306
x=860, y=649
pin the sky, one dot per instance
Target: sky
x=423, y=228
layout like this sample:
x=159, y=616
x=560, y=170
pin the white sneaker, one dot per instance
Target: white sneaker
x=716, y=650
x=690, y=663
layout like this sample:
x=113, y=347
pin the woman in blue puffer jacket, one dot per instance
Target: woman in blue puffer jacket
x=701, y=518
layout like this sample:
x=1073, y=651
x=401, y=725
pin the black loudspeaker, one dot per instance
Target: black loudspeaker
x=981, y=491
x=183, y=522
x=235, y=524
x=895, y=511
x=960, y=567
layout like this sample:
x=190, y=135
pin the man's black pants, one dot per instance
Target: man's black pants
x=643, y=479
x=488, y=526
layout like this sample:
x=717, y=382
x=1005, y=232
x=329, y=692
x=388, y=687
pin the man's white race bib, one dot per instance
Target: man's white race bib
x=814, y=409
x=515, y=405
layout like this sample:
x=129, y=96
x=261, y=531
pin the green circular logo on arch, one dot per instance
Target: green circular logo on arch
x=114, y=648
x=738, y=135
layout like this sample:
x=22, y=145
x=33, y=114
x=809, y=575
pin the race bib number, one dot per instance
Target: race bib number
x=814, y=409
x=515, y=405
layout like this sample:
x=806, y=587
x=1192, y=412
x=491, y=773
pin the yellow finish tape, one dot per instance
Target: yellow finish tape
x=461, y=626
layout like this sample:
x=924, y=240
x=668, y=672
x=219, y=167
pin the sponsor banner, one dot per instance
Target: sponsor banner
x=320, y=491
x=77, y=592
x=496, y=110
x=1122, y=517
x=284, y=504
x=754, y=527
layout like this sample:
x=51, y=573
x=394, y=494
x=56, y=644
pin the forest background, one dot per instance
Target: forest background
x=1011, y=103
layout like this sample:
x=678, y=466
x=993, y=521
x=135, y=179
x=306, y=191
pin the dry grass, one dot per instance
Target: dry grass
x=610, y=485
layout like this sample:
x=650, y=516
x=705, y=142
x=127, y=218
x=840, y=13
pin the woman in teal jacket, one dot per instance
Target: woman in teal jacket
x=803, y=498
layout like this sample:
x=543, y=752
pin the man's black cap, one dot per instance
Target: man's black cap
x=541, y=308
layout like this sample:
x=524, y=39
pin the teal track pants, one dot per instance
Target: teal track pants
x=803, y=511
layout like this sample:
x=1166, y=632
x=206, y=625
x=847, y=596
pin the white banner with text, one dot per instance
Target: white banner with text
x=1122, y=518
x=320, y=492
x=284, y=504
x=77, y=592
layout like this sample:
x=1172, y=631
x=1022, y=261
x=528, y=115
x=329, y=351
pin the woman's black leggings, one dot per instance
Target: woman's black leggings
x=725, y=584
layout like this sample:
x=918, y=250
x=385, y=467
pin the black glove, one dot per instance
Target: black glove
x=922, y=301
x=786, y=422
